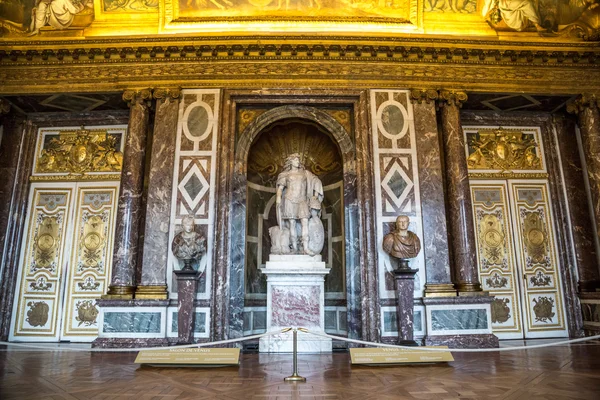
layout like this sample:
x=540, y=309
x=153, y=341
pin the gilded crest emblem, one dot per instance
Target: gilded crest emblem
x=500, y=311
x=504, y=150
x=37, y=315
x=543, y=309
x=46, y=242
x=87, y=313
x=80, y=152
x=534, y=236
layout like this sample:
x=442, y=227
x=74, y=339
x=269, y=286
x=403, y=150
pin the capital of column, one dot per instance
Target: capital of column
x=424, y=95
x=163, y=93
x=583, y=101
x=137, y=96
x=452, y=97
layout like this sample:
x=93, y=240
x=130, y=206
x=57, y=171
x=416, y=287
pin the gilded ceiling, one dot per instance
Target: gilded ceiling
x=531, y=19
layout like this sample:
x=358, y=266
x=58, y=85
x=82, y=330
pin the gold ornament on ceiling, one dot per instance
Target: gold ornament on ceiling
x=504, y=150
x=318, y=152
x=79, y=152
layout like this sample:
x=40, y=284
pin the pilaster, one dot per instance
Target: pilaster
x=153, y=284
x=129, y=210
x=459, y=204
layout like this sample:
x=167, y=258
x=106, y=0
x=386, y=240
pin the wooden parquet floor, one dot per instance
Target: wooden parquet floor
x=551, y=373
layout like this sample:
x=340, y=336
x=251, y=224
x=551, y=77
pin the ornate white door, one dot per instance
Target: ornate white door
x=517, y=258
x=65, y=261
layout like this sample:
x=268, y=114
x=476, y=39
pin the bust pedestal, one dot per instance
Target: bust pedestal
x=295, y=298
x=187, y=286
x=405, y=287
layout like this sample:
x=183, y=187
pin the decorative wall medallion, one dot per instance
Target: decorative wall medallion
x=503, y=149
x=88, y=284
x=500, y=310
x=40, y=285
x=540, y=280
x=492, y=237
x=79, y=152
x=534, y=235
x=497, y=281
x=46, y=242
x=38, y=312
x=87, y=313
x=92, y=241
x=543, y=309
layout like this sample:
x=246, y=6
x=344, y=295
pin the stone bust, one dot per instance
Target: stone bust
x=188, y=245
x=402, y=243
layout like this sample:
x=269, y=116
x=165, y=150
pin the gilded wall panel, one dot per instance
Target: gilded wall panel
x=69, y=154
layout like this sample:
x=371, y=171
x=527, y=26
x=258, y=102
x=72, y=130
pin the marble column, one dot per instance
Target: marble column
x=579, y=212
x=458, y=194
x=435, y=233
x=129, y=210
x=405, y=308
x=153, y=284
x=588, y=114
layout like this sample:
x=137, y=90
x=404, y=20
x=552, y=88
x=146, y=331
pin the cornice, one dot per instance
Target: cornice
x=314, y=48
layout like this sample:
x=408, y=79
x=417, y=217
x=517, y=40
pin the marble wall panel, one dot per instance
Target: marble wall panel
x=397, y=188
x=194, y=178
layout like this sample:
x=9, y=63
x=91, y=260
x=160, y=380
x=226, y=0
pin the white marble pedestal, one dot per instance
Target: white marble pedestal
x=295, y=298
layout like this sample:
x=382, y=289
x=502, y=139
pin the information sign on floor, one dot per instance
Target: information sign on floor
x=189, y=357
x=382, y=355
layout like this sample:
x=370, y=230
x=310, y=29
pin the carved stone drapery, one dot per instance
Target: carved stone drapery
x=153, y=284
x=129, y=212
x=460, y=217
x=586, y=107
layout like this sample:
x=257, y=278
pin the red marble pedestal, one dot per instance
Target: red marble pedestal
x=405, y=287
x=187, y=286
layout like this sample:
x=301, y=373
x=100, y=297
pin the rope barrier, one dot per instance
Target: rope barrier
x=516, y=348
x=183, y=346
x=321, y=334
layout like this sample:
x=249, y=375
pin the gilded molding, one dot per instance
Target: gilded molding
x=452, y=97
x=138, y=97
x=426, y=95
x=75, y=177
x=163, y=93
x=508, y=175
x=583, y=101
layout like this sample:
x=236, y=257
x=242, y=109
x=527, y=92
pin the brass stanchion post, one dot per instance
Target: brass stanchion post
x=295, y=377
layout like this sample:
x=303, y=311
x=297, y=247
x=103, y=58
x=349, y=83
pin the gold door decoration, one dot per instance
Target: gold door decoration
x=503, y=153
x=79, y=154
x=497, y=271
x=37, y=303
x=541, y=280
x=91, y=253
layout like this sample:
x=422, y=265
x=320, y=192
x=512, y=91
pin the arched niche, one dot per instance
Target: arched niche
x=328, y=129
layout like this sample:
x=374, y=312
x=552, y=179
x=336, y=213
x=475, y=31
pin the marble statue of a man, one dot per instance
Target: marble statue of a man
x=188, y=245
x=402, y=243
x=296, y=187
